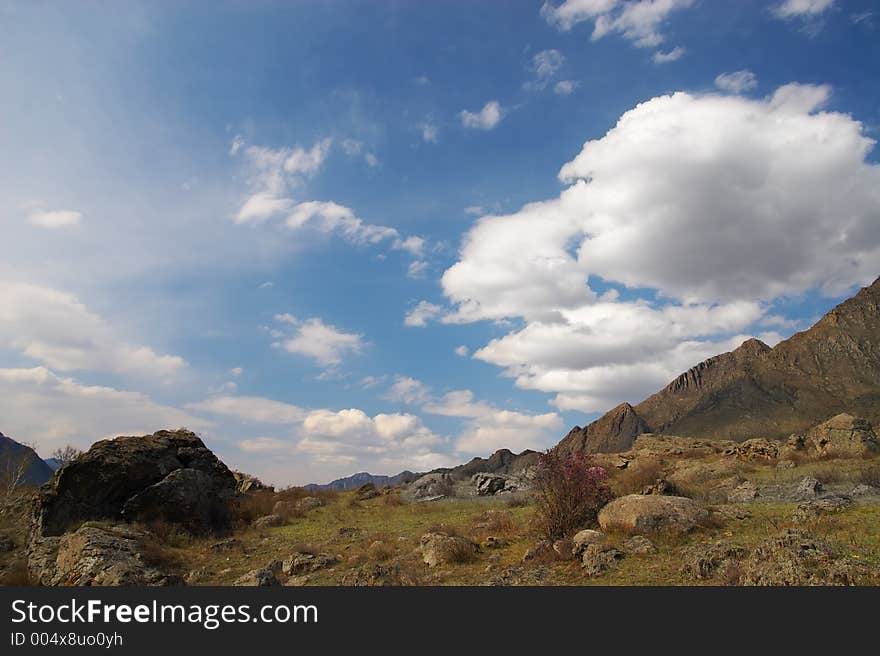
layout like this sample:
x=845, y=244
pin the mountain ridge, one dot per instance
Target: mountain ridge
x=362, y=478
x=759, y=391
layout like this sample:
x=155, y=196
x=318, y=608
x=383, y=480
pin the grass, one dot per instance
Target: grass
x=384, y=532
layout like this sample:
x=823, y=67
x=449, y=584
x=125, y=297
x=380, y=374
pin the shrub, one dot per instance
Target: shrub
x=569, y=491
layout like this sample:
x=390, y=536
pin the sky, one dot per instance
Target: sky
x=334, y=237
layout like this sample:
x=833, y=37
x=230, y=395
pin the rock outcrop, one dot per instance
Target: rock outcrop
x=614, y=431
x=95, y=555
x=640, y=514
x=842, y=436
x=756, y=390
x=440, y=548
x=170, y=476
x=503, y=471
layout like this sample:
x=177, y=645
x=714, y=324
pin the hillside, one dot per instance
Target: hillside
x=14, y=456
x=758, y=391
x=362, y=478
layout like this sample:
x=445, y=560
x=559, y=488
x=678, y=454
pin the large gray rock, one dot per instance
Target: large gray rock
x=640, y=514
x=743, y=493
x=843, y=436
x=808, y=488
x=95, y=555
x=599, y=558
x=824, y=506
x=261, y=578
x=303, y=563
x=439, y=548
x=170, y=475
x=582, y=539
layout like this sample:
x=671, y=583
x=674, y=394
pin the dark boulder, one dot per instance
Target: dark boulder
x=170, y=476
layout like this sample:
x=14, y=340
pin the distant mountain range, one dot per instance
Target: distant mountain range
x=758, y=391
x=14, y=455
x=356, y=480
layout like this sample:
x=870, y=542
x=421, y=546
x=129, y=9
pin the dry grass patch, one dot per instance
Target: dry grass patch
x=638, y=475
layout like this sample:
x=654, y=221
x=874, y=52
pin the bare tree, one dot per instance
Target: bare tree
x=13, y=471
x=65, y=454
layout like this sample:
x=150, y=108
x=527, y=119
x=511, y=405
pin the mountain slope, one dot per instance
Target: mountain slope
x=756, y=391
x=361, y=478
x=14, y=456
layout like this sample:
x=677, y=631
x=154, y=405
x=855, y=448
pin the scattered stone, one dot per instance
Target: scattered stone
x=493, y=557
x=808, y=488
x=226, y=545
x=731, y=512
x=378, y=574
x=583, y=538
x=703, y=561
x=195, y=576
x=743, y=493
x=437, y=497
x=520, y=575
x=757, y=450
x=367, y=491
x=440, y=548
x=297, y=581
x=301, y=563
x=639, y=544
x=599, y=558
x=538, y=550
x=493, y=542
x=309, y=503
x=263, y=577
x=786, y=464
x=797, y=558
x=268, y=521
x=660, y=486
x=247, y=483
x=863, y=490
x=824, y=506
x=348, y=532
x=640, y=514
x=564, y=548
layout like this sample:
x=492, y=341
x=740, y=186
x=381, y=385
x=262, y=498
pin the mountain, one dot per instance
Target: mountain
x=356, y=480
x=54, y=463
x=758, y=391
x=14, y=456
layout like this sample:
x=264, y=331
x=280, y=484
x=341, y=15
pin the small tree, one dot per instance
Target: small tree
x=569, y=491
x=13, y=471
x=66, y=454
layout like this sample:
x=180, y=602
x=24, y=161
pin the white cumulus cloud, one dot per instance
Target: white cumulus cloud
x=487, y=118
x=639, y=21
x=55, y=218
x=736, y=82
x=323, y=343
x=719, y=204
x=56, y=329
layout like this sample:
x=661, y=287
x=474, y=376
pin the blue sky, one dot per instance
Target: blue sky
x=343, y=236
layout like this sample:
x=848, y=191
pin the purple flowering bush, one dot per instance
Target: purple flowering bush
x=569, y=490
